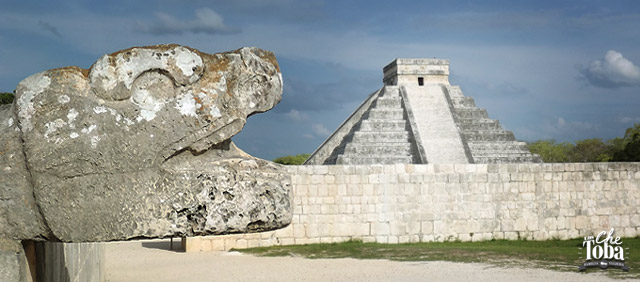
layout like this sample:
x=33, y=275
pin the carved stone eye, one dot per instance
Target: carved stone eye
x=150, y=91
x=153, y=84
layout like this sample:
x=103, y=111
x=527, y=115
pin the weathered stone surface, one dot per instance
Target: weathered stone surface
x=19, y=214
x=13, y=264
x=139, y=146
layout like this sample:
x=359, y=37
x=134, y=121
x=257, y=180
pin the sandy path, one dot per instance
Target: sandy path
x=152, y=261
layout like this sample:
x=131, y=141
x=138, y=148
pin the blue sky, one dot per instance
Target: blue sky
x=563, y=70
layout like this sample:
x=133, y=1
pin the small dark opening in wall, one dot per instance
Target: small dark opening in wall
x=420, y=81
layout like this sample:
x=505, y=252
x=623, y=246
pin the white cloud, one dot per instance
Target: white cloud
x=562, y=124
x=206, y=21
x=614, y=70
x=296, y=115
x=560, y=129
x=566, y=129
x=629, y=119
x=320, y=130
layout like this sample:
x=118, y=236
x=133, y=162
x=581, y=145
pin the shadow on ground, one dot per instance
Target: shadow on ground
x=172, y=245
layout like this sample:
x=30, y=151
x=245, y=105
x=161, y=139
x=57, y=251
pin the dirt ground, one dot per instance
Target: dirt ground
x=152, y=260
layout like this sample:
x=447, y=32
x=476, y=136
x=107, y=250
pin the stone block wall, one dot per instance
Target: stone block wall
x=69, y=262
x=51, y=261
x=440, y=202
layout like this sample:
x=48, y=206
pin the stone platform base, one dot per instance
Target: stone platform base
x=466, y=202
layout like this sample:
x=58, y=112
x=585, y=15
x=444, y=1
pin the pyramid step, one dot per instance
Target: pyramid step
x=391, y=91
x=389, y=114
x=388, y=102
x=506, y=159
x=382, y=137
x=342, y=159
x=470, y=113
x=498, y=146
x=463, y=102
x=478, y=124
x=389, y=148
x=485, y=153
x=488, y=135
x=383, y=125
x=501, y=154
x=455, y=91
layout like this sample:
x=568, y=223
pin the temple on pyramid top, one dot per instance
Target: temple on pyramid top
x=412, y=71
x=418, y=117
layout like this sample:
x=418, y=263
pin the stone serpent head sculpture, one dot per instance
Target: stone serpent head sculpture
x=139, y=146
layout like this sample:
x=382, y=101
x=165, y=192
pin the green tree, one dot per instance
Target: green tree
x=590, y=150
x=550, y=151
x=631, y=151
x=6, y=98
x=615, y=145
x=292, y=160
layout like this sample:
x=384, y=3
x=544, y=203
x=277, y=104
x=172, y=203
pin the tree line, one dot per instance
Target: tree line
x=625, y=149
x=6, y=98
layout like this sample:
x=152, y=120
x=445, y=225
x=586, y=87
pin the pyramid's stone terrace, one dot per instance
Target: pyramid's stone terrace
x=418, y=117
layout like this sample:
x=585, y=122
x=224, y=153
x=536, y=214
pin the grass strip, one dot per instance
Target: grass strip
x=560, y=255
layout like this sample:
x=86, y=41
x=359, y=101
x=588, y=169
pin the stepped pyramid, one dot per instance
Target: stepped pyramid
x=418, y=117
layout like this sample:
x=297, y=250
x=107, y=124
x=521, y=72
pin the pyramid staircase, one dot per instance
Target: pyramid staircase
x=382, y=136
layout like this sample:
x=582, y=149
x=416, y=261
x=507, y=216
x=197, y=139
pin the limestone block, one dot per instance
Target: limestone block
x=573, y=233
x=329, y=179
x=489, y=225
x=511, y=235
x=253, y=243
x=303, y=179
x=398, y=228
x=427, y=238
x=241, y=244
x=286, y=241
x=389, y=169
x=404, y=239
x=323, y=190
x=581, y=222
x=193, y=244
x=205, y=245
x=286, y=232
x=550, y=224
x=520, y=224
x=413, y=226
x=477, y=237
x=532, y=224
x=216, y=244
x=317, y=179
x=267, y=242
x=464, y=237
x=380, y=228
x=320, y=169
